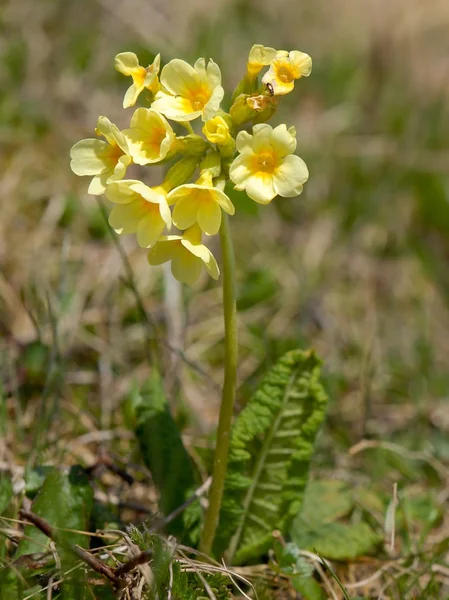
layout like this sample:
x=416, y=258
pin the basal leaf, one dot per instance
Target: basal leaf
x=162, y=448
x=336, y=541
x=326, y=501
x=65, y=502
x=270, y=452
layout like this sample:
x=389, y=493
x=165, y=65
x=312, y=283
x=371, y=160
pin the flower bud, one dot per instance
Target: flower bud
x=191, y=145
x=181, y=172
x=212, y=164
x=240, y=111
x=216, y=130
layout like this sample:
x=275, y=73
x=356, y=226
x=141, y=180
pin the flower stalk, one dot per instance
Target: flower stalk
x=228, y=396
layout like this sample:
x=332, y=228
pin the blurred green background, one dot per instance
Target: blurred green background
x=356, y=267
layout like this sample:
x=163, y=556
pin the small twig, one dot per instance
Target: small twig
x=197, y=494
x=133, y=562
x=89, y=559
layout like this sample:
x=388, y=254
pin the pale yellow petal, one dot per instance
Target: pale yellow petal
x=121, y=192
x=126, y=63
x=179, y=78
x=175, y=108
x=163, y=251
x=120, y=168
x=222, y=200
x=243, y=142
x=204, y=254
x=260, y=188
x=283, y=140
x=212, y=267
x=106, y=129
x=261, y=137
x=213, y=73
x=125, y=218
x=290, y=177
x=301, y=62
x=153, y=71
x=150, y=136
x=89, y=157
x=212, y=106
x=98, y=184
x=260, y=56
x=185, y=267
x=149, y=230
x=131, y=95
x=185, y=212
x=209, y=217
x=240, y=170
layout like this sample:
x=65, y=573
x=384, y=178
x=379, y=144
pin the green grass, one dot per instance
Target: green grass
x=356, y=267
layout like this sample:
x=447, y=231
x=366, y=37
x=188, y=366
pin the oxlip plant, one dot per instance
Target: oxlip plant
x=261, y=461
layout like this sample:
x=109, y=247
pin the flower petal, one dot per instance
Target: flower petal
x=185, y=212
x=120, y=168
x=222, y=200
x=290, y=176
x=240, y=170
x=261, y=136
x=89, y=157
x=179, y=78
x=211, y=107
x=213, y=73
x=125, y=218
x=203, y=253
x=185, y=267
x=283, y=140
x=175, y=108
x=131, y=95
x=301, y=63
x=121, y=192
x=163, y=251
x=126, y=63
x=209, y=217
x=243, y=142
x=98, y=184
x=150, y=136
x=260, y=188
x=149, y=230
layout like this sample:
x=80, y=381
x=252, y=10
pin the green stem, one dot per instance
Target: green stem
x=227, y=402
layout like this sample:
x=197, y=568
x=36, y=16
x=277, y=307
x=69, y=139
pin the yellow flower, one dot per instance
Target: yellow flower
x=150, y=136
x=187, y=255
x=266, y=165
x=190, y=92
x=139, y=209
x=200, y=203
x=127, y=63
x=106, y=161
x=259, y=57
x=216, y=130
x=284, y=69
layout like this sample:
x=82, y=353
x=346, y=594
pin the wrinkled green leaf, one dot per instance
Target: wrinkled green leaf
x=270, y=451
x=162, y=448
x=336, y=541
x=326, y=501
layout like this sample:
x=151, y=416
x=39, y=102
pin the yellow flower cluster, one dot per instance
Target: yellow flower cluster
x=262, y=162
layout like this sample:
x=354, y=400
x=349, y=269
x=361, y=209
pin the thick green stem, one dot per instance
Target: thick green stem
x=227, y=402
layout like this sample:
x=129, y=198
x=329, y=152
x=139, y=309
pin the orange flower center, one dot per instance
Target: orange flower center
x=285, y=75
x=266, y=161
